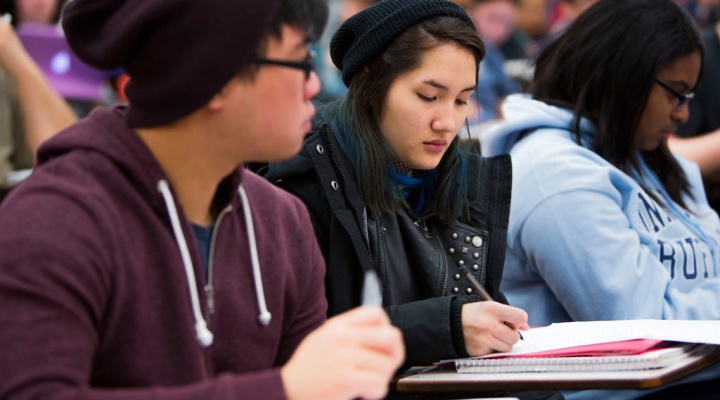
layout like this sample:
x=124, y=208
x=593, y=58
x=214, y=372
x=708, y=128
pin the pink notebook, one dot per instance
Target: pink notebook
x=626, y=347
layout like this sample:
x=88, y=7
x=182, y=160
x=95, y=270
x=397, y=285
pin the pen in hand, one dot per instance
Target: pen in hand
x=371, y=294
x=483, y=293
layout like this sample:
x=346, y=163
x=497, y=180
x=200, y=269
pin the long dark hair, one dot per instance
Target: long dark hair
x=355, y=120
x=603, y=67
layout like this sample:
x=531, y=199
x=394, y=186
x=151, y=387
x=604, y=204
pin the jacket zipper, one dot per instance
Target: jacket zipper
x=443, y=291
x=358, y=219
x=209, y=288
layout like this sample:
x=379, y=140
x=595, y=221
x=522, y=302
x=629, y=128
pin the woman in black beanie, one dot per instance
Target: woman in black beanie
x=392, y=188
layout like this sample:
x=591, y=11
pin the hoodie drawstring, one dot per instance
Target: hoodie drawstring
x=265, y=315
x=204, y=336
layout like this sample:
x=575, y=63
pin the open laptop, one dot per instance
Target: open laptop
x=71, y=77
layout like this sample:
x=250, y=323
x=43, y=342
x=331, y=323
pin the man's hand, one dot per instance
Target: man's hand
x=354, y=354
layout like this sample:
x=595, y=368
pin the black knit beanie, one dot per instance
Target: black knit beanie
x=178, y=53
x=365, y=35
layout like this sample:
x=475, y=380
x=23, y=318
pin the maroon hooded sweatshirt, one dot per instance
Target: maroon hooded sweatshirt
x=95, y=302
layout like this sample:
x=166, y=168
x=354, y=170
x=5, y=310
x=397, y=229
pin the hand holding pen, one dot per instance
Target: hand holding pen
x=352, y=355
x=482, y=292
x=479, y=319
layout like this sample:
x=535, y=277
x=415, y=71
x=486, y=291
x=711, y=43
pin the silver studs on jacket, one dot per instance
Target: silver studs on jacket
x=468, y=244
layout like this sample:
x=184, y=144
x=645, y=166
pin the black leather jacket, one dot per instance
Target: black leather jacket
x=416, y=257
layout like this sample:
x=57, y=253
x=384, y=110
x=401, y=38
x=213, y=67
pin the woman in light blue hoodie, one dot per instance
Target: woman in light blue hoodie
x=606, y=223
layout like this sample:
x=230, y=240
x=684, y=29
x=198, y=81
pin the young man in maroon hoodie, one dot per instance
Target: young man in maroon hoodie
x=139, y=261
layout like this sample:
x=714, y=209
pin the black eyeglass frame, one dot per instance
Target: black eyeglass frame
x=306, y=66
x=682, y=98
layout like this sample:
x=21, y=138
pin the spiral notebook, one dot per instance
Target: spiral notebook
x=656, y=357
x=598, y=346
x=446, y=380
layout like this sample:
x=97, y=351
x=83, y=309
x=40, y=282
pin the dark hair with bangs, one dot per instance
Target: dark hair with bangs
x=603, y=67
x=355, y=120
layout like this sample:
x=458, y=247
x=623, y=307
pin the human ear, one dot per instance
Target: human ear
x=218, y=100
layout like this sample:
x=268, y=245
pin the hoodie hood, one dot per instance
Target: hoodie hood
x=106, y=133
x=524, y=114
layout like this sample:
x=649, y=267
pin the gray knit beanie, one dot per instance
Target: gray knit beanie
x=365, y=35
x=178, y=53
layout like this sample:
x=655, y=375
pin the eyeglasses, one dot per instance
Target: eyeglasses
x=306, y=65
x=682, y=98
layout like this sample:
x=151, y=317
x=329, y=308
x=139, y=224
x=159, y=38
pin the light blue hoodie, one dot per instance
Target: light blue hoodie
x=586, y=242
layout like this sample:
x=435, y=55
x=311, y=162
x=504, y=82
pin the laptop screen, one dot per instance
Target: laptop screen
x=70, y=76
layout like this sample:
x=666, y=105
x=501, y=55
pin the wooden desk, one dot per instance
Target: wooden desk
x=436, y=380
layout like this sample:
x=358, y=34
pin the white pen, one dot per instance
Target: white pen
x=371, y=293
x=7, y=18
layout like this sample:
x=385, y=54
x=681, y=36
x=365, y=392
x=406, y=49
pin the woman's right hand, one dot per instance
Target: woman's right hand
x=484, y=327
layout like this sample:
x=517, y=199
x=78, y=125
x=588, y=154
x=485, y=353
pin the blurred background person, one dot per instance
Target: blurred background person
x=330, y=77
x=703, y=11
x=559, y=15
x=702, y=129
x=495, y=21
x=34, y=11
x=44, y=15
x=533, y=20
x=30, y=109
x=566, y=11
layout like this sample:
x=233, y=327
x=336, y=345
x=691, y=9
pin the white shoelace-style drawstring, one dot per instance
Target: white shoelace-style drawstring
x=204, y=336
x=265, y=315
